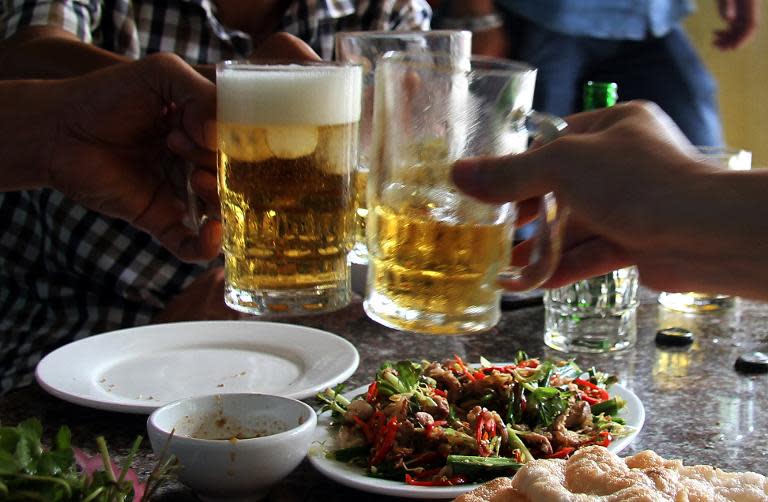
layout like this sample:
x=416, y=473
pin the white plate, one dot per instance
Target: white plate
x=355, y=477
x=137, y=370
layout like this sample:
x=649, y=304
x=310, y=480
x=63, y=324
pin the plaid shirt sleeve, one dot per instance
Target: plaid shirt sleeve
x=409, y=15
x=79, y=17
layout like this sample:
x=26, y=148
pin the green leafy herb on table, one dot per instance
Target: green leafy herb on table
x=62, y=473
x=448, y=423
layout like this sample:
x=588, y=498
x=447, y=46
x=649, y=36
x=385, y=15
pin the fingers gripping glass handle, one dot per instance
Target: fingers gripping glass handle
x=548, y=240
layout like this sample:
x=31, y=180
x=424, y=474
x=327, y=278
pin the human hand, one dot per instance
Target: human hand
x=110, y=150
x=741, y=18
x=495, y=42
x=280, y=46
x=202, y=300
x=638, y=194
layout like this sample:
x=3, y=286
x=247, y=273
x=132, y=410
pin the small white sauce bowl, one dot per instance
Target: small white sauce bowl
x=213, y=438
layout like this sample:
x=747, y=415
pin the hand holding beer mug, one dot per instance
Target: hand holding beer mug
x=435, y=254
x=364, y=48
x=287, y=145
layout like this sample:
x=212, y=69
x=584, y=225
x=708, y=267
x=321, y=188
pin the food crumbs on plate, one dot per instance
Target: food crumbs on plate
x=220, y=385
x=233, y=455
x=301, y=420
x=233, y=440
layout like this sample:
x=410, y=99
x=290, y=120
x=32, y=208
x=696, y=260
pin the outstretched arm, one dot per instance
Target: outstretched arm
x=51, y=52
x=639, y=194
x=101, y=139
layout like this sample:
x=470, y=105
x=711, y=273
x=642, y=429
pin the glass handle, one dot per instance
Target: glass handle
x=548, y=240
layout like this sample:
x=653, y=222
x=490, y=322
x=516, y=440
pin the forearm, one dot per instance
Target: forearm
x=723, y=232
x=487, y=39
x=462, y=8
x=45, y=52
x=28, y=124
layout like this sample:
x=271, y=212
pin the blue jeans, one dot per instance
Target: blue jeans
x=666, y=70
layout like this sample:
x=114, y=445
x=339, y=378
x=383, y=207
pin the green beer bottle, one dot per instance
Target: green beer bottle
x=598, y=314
x=599, y=95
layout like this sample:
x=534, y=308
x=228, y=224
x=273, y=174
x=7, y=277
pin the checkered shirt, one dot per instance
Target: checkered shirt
x=67, y=272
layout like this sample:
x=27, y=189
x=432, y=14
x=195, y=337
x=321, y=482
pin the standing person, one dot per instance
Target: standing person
x=640, y=45
x=68, y=272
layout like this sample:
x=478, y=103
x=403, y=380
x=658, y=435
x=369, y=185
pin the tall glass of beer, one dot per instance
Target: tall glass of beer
x=287, y=146
x=435, y=254
x=364, y=48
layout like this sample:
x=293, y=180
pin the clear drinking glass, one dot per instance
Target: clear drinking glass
x=594, y=315
x=435, y=254
x=729, y=158
x=364, y=48
x=287, y=147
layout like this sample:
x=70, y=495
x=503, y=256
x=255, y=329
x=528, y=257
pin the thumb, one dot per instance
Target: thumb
x=192, y=95
x=513, y=177
x=727, y=9
x=286, y=47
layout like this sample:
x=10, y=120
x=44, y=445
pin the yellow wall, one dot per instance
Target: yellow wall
x=743, y=79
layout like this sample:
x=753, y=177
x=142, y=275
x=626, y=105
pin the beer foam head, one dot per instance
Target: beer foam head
x=289, y=94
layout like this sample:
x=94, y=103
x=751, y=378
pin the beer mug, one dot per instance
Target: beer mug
x=435, y=254
x=287, y=146
x=365, y=48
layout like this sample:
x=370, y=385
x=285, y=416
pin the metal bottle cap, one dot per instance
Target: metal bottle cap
x=752, y=362
x=677, y=337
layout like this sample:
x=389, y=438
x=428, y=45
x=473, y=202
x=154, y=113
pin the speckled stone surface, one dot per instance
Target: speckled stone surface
x=698, y=407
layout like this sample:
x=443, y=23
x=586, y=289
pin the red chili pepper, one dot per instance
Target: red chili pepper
x=605, y=440
x=385, y=441
x=528, y=363
x=463, y=368
x=485, y=429
x=372, y=391
x=442, y=481
x=479, y=429
x=591, y=392
x=440, y=392
x=562, y=452
x=377, y=422
x=430, y=427
x=367, y=431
